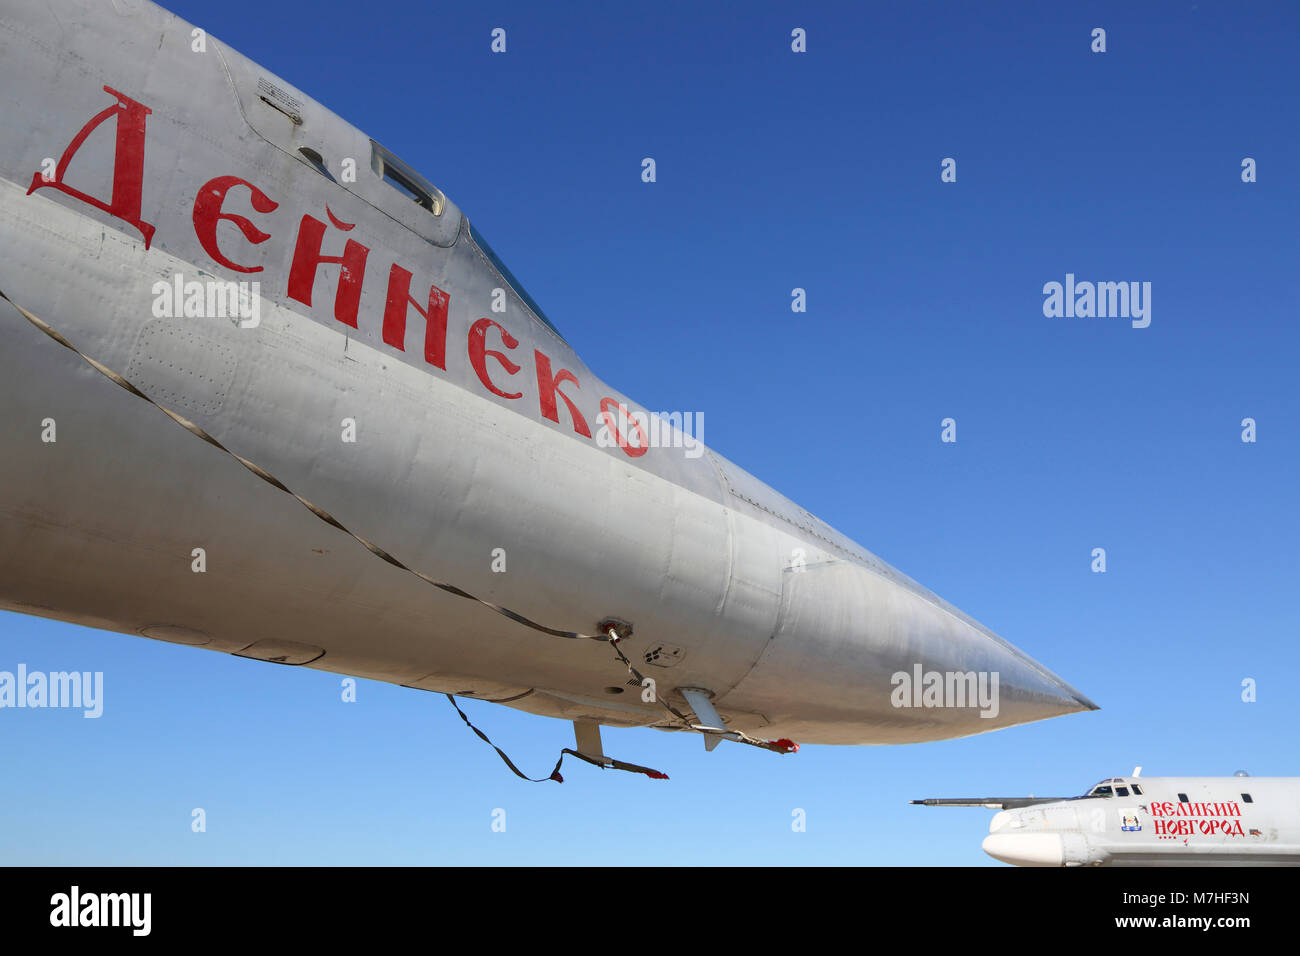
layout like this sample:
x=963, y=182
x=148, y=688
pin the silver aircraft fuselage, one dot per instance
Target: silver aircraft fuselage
x=397, y=377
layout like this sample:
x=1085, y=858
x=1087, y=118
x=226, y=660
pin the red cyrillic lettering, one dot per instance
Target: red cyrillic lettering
x=128, y=163
x=435, y=317
x=607, y=408
x=307, y=259
x=548, y=385
x=478, y=349
x=207, y=213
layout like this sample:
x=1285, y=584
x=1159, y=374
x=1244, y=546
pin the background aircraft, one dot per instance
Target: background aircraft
x=1153, y=821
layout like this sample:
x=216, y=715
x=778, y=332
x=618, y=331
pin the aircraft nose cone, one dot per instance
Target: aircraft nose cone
x=1010, y=686
x=970, y=679
x=1027, y=690
x=1021, y=688
x=1026, y=849
x=863, y=655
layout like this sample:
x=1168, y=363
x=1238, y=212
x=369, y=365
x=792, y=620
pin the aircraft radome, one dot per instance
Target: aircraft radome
x=222, y=297
x=1149, y=821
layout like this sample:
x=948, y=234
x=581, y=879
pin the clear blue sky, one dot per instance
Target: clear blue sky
x=820, y=171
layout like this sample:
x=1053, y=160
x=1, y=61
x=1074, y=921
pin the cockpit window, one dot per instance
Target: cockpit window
x=406, y=180
x=1121, y=791
x=510, y=278
x=1137, y=791
x=1101, y=790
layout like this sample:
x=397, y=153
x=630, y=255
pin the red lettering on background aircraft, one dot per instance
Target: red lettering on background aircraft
x=307, y=259
x=1190, y=827
x=478, y=350
x=1169, y=809
x=548, y=385
x=435, y=317
x=208, y=212
x=128, y=164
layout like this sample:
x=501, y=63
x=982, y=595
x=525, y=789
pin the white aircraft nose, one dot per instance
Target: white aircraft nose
x=1026, y=849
